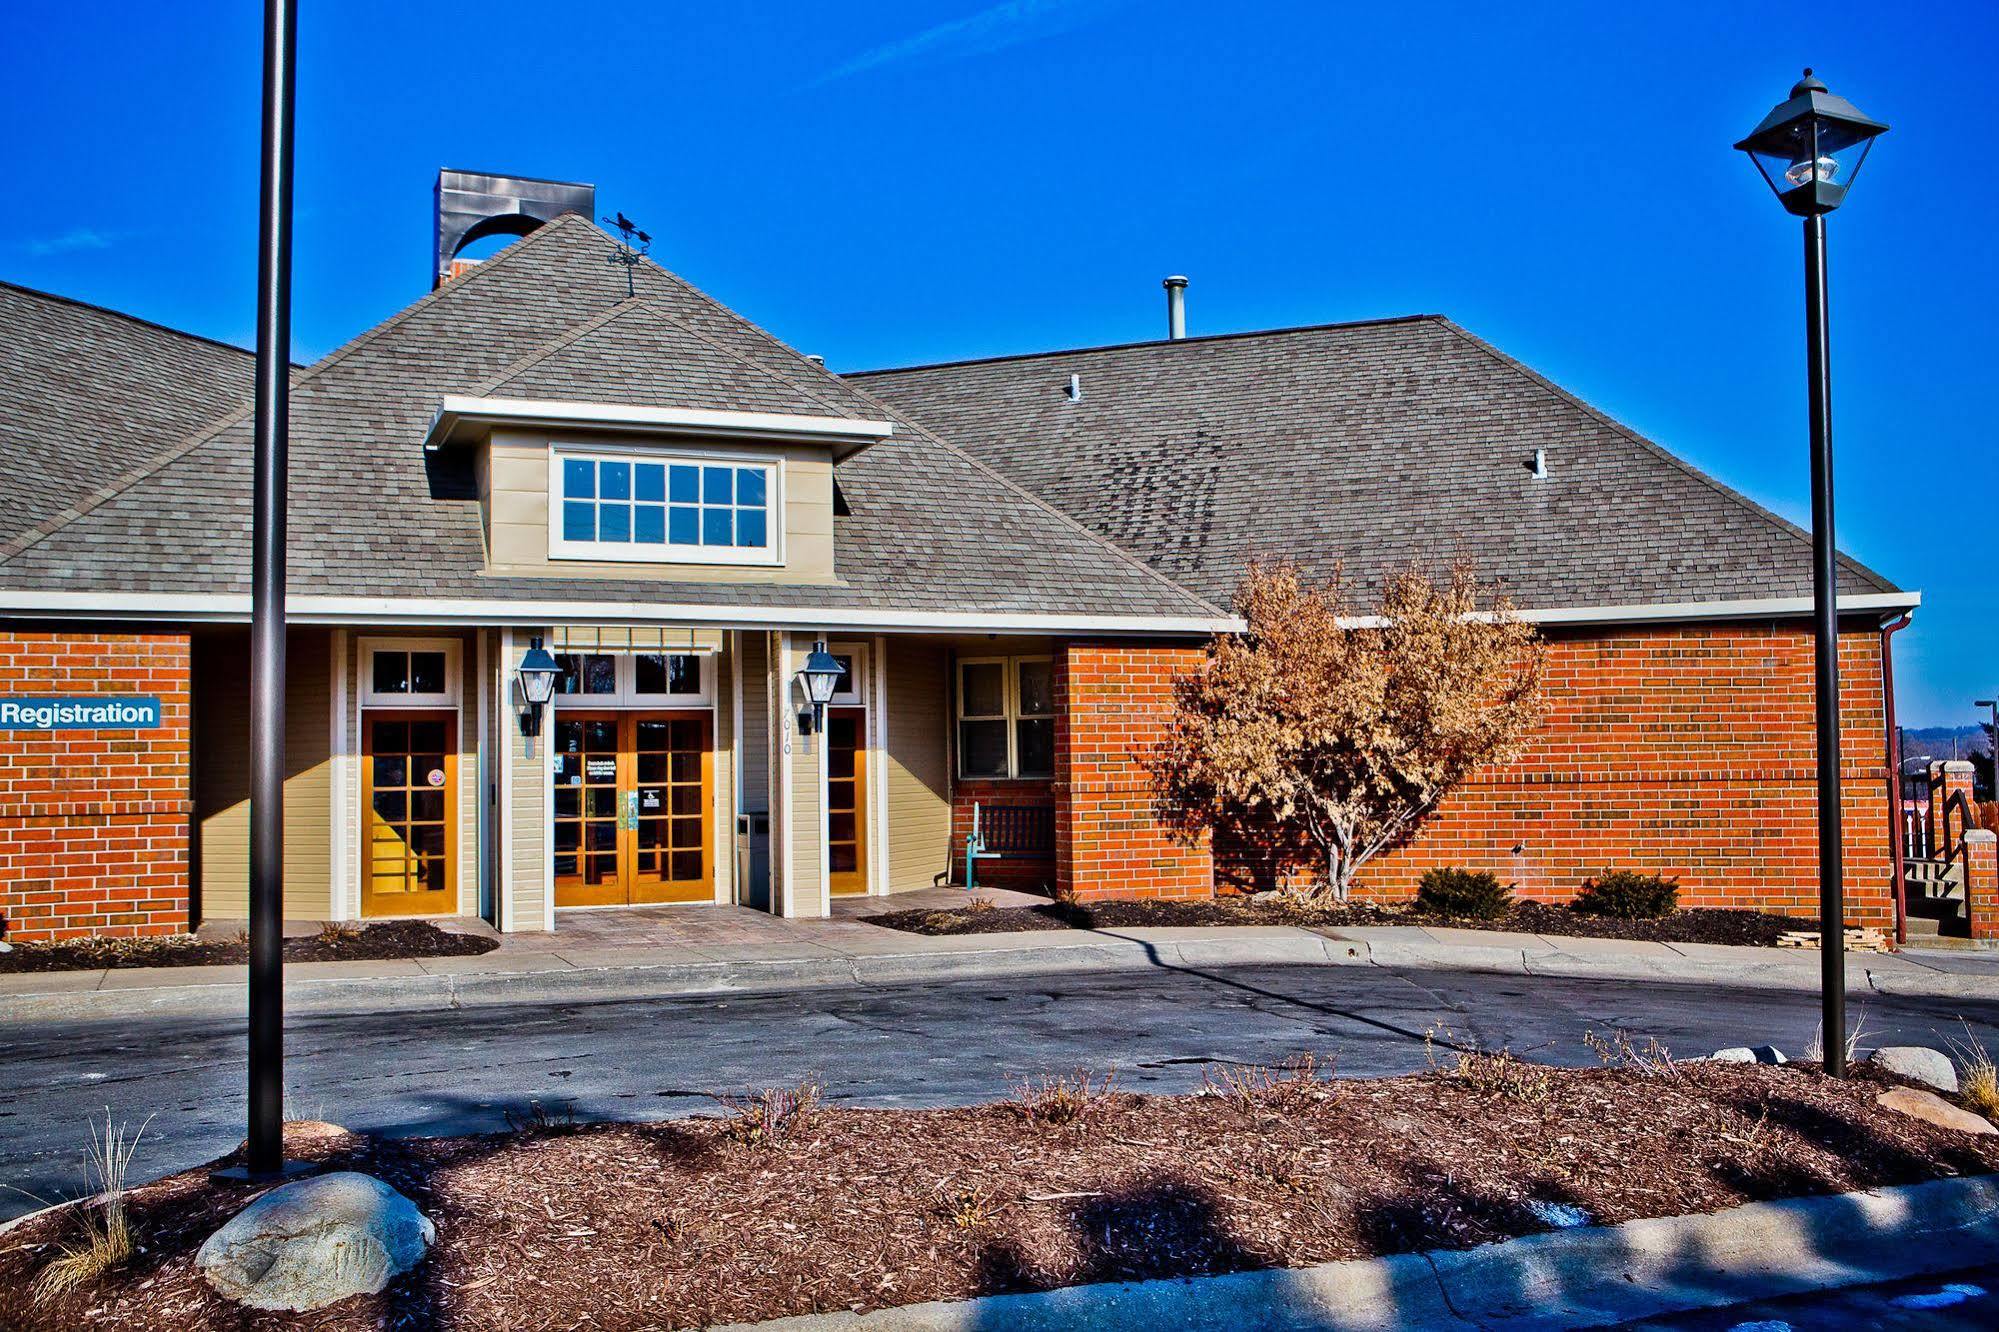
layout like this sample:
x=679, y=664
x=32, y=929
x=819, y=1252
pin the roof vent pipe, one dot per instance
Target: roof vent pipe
x=1075, y=388
x=1176, y=307
x=1539, y=466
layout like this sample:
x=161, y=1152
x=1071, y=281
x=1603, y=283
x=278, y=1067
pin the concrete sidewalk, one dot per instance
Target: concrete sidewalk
x=658, y=952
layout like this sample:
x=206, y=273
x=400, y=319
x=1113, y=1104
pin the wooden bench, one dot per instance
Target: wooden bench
x=999, y=831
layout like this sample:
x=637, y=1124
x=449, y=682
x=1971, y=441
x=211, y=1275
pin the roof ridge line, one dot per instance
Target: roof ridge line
x=1288, y=329
x=1658, y=450
x=779, y=343
x=22, y=542
x=558, y=343
x=128, y=317
x=838, y=409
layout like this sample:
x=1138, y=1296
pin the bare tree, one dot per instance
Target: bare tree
x=1326, y=736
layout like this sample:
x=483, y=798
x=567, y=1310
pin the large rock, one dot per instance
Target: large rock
x=1933, y=1109
x=1917, y=1063
x=1749, y=1054
x=306, y=1244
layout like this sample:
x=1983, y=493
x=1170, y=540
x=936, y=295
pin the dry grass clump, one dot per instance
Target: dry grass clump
x=334, y=933
x=1815, y=1048
x=1489, y=1072
x=106, y=1239
x=979, y=903
x=770, y=1117
x=1618, y=1050
x=540, y=1119
x=1977, y=1075
x=1057, y=1099
x=1249, y=1087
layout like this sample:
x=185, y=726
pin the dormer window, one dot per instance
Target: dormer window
x=686, y=508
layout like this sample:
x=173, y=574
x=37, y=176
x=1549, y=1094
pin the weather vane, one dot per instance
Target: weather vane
x=632, y=247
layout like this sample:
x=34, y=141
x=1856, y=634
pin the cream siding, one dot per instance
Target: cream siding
x=222, y=775
x=916, y=675
x=755, y=671
x=513, y=489
x=524, y=836
x=722, y=841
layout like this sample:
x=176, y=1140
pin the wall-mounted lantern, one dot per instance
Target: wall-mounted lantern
x=820, y=678
x=536, y=675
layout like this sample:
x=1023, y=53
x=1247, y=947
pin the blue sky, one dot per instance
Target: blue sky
x=896, y=183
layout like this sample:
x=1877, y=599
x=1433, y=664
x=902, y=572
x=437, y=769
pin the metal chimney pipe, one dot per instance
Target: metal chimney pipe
x=1176, y=307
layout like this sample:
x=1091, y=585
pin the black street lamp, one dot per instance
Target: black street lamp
x=1809, y=148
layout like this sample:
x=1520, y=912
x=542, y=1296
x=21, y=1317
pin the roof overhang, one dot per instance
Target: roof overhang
x=462, y=419
x=235, y=608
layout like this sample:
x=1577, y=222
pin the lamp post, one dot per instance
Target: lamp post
x=537, y=674
x=1809, y=148
x=264, y=1158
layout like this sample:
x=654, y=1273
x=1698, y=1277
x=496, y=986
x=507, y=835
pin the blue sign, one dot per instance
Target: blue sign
x=91, y=712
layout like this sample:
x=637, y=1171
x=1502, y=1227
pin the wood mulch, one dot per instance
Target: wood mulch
x=387, y=939
x=1701, y=925
x=686, y=1224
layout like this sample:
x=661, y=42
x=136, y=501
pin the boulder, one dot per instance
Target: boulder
x=1933, y=1109
x=1749, y=1054
x=306, y=1244
x=1917, y=1063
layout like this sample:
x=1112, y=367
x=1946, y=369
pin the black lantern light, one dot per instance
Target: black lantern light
x=1810, y=147
x=820, y=676
x=536, y=673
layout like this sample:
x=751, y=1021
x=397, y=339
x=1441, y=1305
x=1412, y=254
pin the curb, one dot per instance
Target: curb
x=1588, y=1277
x=1097, y=951
x=332, y=998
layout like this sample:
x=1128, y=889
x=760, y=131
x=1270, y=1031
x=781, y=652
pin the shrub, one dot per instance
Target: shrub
x=771, y=1117
x=106, y=1230
x=1063, y=1100
x=1473, y=894
x=1628, y=895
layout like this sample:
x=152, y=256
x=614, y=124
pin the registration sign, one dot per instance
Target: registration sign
x=90, y=712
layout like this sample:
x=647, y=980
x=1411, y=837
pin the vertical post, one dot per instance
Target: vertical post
x=267, y=597
x=1825, y=644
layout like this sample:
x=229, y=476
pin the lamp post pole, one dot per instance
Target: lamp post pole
x=267, y=599
x=1809, y=149
x=1825, y=651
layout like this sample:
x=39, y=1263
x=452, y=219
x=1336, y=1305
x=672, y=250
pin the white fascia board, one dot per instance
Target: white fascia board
x=445, y=611
x=459, y=414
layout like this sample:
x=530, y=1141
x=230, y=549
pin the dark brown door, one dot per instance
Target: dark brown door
x=632, y=795
x=409, y=788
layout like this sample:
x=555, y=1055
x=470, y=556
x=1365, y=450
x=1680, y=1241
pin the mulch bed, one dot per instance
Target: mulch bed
x=686, y=1224
x=1701, y=925
x=388, y=939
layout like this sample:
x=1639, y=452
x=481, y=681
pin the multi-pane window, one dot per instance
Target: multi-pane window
x=667, y=509
x=1006, y=717
x=408, y=673
x=673, y=679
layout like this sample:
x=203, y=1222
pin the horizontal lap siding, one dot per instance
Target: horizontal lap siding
x=94, y=824
x=917, y=783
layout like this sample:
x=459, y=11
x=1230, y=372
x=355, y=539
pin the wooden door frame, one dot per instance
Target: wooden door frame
x=613, y=894
x=624, y=891
x=443, y=902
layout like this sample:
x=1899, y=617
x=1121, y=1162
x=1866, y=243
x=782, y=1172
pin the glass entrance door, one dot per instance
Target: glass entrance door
x=409, y=767
x=632, y=795
x=846, y=801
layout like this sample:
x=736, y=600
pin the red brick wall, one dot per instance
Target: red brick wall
x=94, y=824
x=1110, y=700
x=1022, y=871
x=1687, y=751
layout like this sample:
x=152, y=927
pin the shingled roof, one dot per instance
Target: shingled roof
x=87, y=392
x=926, y=528
x=1368, y=443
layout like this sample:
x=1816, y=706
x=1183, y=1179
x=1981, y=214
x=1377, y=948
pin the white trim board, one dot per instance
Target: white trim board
x=384, y=611
x=468, y=417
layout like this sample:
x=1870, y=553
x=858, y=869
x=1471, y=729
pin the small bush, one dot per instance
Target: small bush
x=105, y=1240
x=1063, y=1100
x=771, y=1117
x=1469, y=894
x=1977, y=1075
x=1628, y=895
x=1250, y=1086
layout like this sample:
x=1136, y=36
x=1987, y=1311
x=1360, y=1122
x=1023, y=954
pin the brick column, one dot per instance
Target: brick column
x=1111, y=700
x=1981, y=882
x=94, y=824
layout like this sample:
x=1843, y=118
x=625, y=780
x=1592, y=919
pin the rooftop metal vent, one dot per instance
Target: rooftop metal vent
x=1176, y=306
x=472, y=205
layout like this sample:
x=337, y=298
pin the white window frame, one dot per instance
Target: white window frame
x=625, y=668
x=450, y=647
x=1010, y=672
x=770, y=554
x=855, y=692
